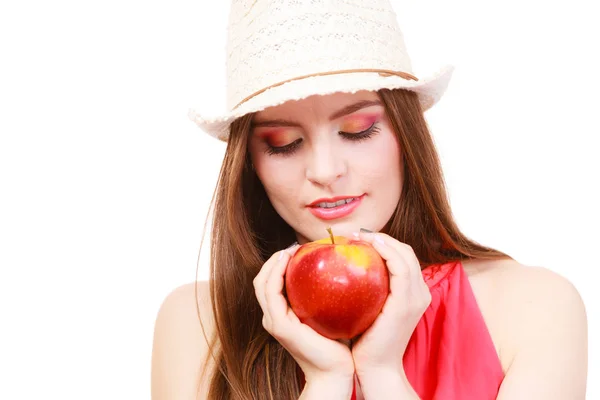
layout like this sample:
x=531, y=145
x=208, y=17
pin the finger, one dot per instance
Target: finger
x=277, y=305
x=292, y=249
x=265, y=271
x=409, y=266
x=418, y=286
x=393, y=259
x=262, y=275
x=260, y=281
x=259, y=286
x=404, y=251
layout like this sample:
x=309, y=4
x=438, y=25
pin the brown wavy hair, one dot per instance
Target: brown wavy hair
x=246, y=231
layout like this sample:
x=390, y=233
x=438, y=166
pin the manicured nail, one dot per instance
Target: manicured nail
x=292, y=245
x=356, y=235
x=365, y=230
x=378, y=239
x=280, y=255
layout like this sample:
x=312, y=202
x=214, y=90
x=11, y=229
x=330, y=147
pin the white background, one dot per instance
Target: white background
x=105, y=183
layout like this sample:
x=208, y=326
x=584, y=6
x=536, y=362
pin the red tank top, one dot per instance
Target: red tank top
x=451, y=355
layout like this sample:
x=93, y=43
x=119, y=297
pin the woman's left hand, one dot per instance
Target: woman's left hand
x=379, y=351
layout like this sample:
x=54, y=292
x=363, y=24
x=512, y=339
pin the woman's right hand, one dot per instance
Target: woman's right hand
x=322, y=360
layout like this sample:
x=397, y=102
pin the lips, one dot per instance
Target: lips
x=336, y=207
x=332, y=201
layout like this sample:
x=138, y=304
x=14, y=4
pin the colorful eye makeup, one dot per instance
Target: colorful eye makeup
x=358, y=123
x=277, y=137
x=285, y=140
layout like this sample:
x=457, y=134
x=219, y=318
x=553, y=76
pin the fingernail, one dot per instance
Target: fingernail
x=378, y=239
x=365, y=230
x=280, y=255
x=291, y=247
x=356, y=235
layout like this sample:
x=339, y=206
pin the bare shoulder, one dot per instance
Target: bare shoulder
x=530, y=288
x=180, y=346
x=539, y=321
x=525, y=297
x=525, y=282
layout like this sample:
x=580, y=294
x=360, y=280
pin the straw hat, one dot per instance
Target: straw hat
x=281, y=50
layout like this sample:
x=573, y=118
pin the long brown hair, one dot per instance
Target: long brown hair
x=246, y=231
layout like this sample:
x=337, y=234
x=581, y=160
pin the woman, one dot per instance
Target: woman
x=334, y=113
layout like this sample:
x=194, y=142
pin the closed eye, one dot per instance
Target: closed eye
x=284, y=150
x=362, y=135
x=292, y=147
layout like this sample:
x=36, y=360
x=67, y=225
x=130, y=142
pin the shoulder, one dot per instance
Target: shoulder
x=526, y=298
x=509, y=277
x=541, y=324
x=526, y=289
x=180, y=345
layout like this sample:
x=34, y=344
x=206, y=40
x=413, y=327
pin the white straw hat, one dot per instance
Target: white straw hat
x=281, y=50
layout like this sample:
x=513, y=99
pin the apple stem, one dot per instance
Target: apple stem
x=330, y=235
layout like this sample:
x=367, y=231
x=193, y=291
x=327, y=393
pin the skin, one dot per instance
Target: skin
x=536, y=318
x=327, y=164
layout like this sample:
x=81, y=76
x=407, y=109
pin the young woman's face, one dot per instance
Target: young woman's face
x=328, y=161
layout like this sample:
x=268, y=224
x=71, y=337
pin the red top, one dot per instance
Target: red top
x=451, y=355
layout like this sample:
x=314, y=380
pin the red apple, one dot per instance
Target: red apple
x=337, y=286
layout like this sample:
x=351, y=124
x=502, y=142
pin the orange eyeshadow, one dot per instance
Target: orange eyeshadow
x=277, y=137
x=359, y=123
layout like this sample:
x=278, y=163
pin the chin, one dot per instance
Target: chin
x=341, y=228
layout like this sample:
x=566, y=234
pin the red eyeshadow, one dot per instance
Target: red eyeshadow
x=277, y=137
x=267, y=133
x=358, y=123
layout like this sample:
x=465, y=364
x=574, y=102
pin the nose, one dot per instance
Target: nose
x=325, y=164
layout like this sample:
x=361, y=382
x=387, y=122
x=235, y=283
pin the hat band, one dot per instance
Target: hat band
x=382, y=72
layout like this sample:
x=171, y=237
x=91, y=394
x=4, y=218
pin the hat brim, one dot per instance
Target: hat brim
x=429, y=89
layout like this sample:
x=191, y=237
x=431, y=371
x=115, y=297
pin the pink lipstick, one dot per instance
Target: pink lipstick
x=336, y=207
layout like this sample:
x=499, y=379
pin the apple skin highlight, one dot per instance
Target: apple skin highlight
x=339, y=288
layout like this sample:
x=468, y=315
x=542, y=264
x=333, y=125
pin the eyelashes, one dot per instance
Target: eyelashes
x=360, y=136
x=289, y=149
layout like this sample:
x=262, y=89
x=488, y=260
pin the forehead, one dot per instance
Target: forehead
x=314, y=107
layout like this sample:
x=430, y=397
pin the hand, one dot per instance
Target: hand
x=321, y=359
x=380, y=349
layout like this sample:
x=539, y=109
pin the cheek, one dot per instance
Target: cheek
x=381, y=174
x=378, y=159
x=278, y=176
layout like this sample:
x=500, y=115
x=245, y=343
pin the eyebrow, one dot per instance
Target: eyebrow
x=340, y=113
